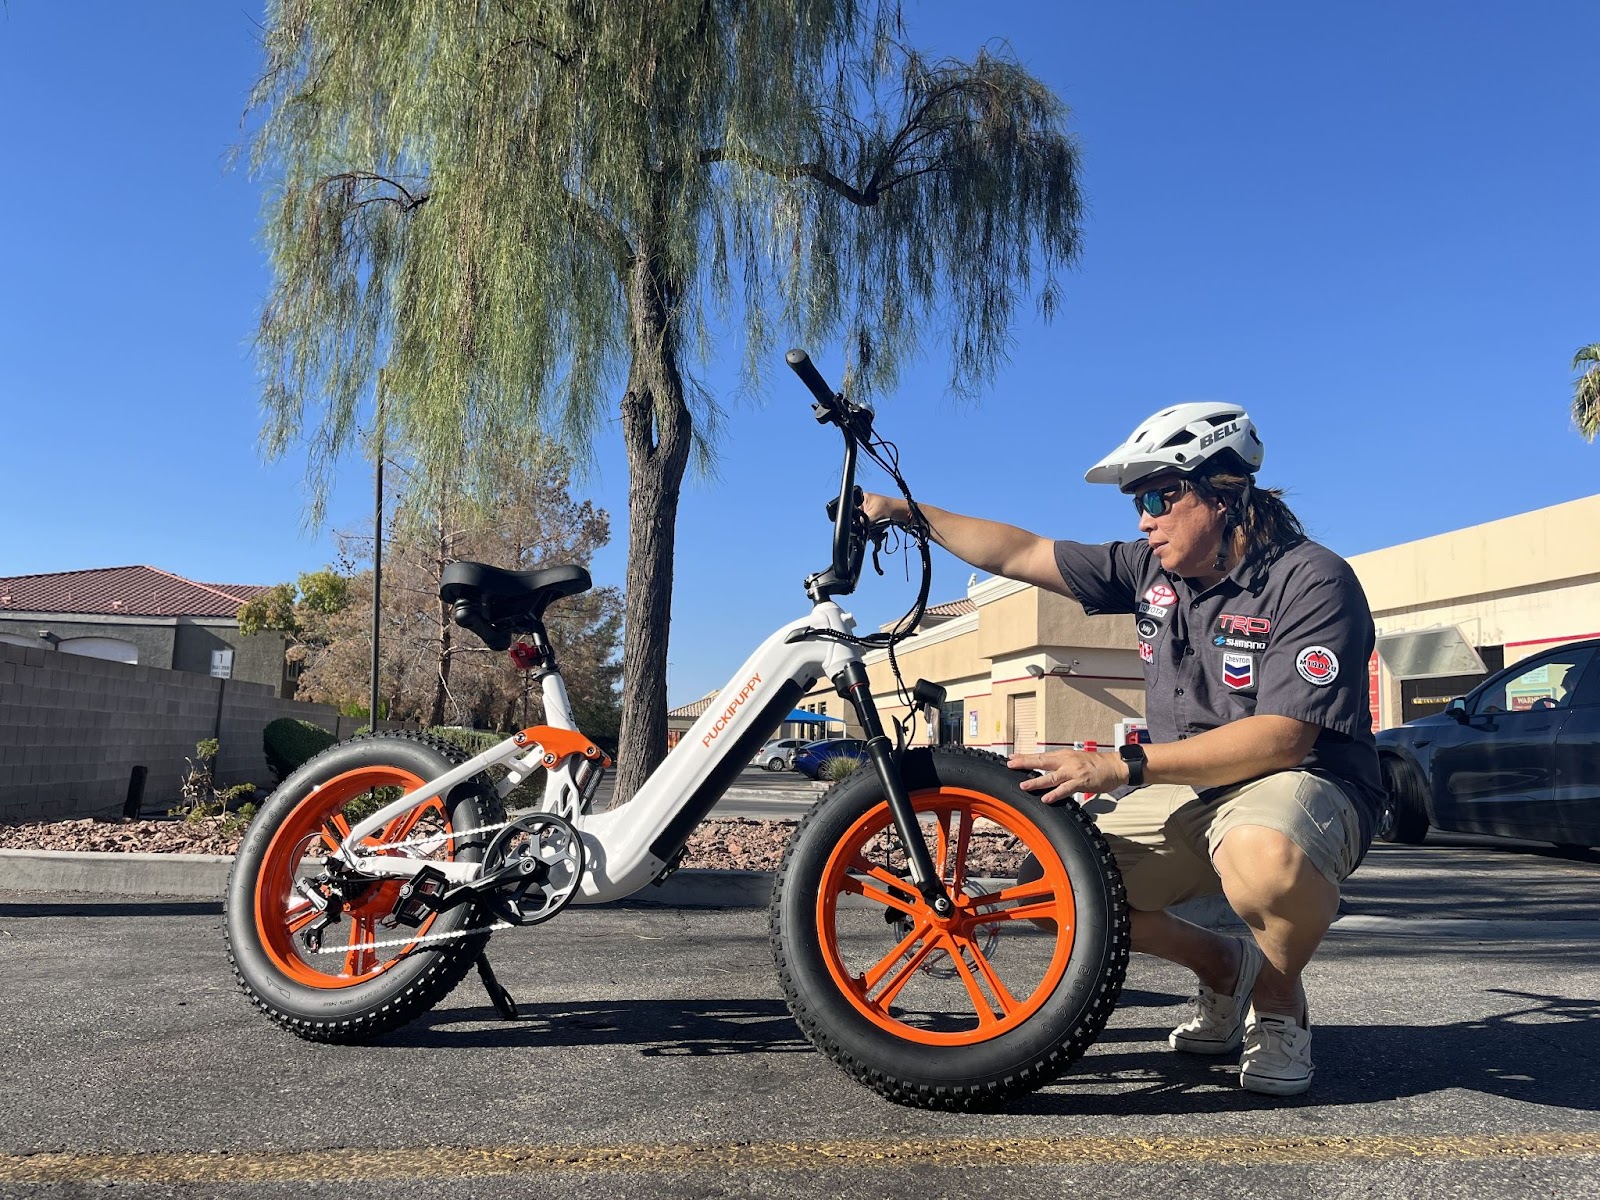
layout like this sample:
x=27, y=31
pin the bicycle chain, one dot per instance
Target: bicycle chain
x=413, y=941
x=425, y=939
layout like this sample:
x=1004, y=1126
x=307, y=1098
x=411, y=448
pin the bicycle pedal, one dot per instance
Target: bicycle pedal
x=420, y=897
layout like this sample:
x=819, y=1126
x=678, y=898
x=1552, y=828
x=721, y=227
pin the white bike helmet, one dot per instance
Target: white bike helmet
x=1183, y=438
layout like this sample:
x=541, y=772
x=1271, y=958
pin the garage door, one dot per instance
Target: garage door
x=1024, y=723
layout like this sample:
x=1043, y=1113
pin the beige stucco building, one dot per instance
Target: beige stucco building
x=1026, y=669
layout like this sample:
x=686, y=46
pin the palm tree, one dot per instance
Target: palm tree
x=1586, y=391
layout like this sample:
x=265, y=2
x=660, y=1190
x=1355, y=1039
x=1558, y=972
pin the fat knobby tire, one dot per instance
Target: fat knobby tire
x=984, y=1074
x=412, y=985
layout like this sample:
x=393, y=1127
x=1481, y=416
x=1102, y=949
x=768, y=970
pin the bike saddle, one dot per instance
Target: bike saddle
x=497, y=605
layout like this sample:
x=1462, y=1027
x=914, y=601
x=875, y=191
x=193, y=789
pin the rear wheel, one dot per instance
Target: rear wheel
x=364, y=974
x=953, y=1012
x=1403, y=817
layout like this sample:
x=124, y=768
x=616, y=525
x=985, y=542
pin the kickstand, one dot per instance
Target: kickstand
x=498, y=996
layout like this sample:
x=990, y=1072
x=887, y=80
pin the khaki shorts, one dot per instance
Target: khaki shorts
x=1163, y=835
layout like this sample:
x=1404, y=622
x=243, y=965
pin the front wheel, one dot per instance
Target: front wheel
x=955, y=1012
x=363, y=973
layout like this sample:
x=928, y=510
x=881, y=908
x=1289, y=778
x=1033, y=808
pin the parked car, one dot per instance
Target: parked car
x=1518, y=756
x=775, y=755
x=808, y=759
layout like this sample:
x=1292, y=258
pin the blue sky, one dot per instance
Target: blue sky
x=1371, y=224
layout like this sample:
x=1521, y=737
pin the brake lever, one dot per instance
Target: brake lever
x=878, y=532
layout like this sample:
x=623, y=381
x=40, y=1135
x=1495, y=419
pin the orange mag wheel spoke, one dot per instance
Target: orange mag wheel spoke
x=281, y=913
x=998, y=1003
x=903, y=976
x=358, y=960
x=987, y=971
x=980, y=1002
x=300, y=915
x=958, y=868
x=875, y=976
x=400, y=828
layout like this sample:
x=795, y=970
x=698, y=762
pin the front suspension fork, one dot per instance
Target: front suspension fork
x=851, y=683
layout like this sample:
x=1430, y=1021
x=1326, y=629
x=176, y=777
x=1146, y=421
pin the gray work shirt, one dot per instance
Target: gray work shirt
x=1289, y=636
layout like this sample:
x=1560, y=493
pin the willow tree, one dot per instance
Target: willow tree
x=490, y=215
x=1586, y=391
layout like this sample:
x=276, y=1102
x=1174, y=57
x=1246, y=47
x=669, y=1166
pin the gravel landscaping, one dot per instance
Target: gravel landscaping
x=739, y=844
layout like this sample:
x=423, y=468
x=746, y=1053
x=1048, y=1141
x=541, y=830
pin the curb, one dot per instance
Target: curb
x=205, y=876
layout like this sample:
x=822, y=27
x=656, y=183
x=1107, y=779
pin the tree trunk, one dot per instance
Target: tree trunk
x=656, y=428
x=441, y=675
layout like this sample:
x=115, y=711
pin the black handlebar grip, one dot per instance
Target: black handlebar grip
x=801, y=363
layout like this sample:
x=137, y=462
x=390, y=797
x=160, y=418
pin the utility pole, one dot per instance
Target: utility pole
x=377, y=571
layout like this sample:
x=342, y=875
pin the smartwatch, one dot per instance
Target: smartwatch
x=1133, y=755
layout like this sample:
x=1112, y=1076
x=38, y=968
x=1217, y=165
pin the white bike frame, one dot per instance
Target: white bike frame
x=628, y=847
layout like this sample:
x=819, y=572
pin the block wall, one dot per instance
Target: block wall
x=73, y=728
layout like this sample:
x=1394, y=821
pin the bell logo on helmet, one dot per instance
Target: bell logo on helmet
x=1218, y=434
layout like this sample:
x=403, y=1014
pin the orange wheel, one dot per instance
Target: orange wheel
x=284, y=907
x=360, y=972
x=964, y=1010
x=956, y=980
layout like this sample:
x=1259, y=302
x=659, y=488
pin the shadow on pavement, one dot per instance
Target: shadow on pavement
x=1540, y=1052
x=686, y=1028
x=117, y=908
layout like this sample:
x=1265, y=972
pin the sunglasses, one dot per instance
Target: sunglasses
x=1158, y=502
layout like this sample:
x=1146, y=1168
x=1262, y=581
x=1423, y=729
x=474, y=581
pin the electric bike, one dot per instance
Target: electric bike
x=373, y=878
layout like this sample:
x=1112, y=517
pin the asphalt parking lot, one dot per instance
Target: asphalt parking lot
x=1456, y=1006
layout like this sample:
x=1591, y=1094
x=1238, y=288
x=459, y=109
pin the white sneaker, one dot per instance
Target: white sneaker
x=1277, y=1055
x=1217, y=1026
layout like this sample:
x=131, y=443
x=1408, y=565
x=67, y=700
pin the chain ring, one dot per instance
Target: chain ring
x=552, y=853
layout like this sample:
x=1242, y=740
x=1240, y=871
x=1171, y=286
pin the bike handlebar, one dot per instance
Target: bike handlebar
x=801, y=363
x=849, y=541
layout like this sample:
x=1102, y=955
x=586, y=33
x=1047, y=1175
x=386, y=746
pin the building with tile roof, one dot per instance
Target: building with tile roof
x=146, y=616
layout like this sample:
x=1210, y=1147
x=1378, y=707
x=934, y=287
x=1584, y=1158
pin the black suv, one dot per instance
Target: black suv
x=1518, y=756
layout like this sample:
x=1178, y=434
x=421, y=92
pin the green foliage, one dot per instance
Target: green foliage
x=293, y=609
x=288, y=743
x=461, y=190
x=473, y=741
x=1586, y=391
x=491, y=220
x=239, y=820
x=841, y=767
x=202, y=799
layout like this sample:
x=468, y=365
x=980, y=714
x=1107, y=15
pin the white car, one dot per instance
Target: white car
x=775, y=755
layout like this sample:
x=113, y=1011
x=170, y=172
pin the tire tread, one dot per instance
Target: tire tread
x=449, y=966
x=1048, y=1066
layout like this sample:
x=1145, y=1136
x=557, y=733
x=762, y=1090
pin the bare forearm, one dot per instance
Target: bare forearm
x=991, y=546
x=1242, y=749
x=1246, y=748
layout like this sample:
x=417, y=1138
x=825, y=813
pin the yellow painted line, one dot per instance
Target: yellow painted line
x=435, y=1162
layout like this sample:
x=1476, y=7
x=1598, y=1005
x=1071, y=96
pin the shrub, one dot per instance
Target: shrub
x=290, y=743
x=473, y=741
x=839, y=767
x=202, y=799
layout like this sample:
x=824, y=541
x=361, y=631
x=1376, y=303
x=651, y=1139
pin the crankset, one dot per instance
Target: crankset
x=532, y=869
